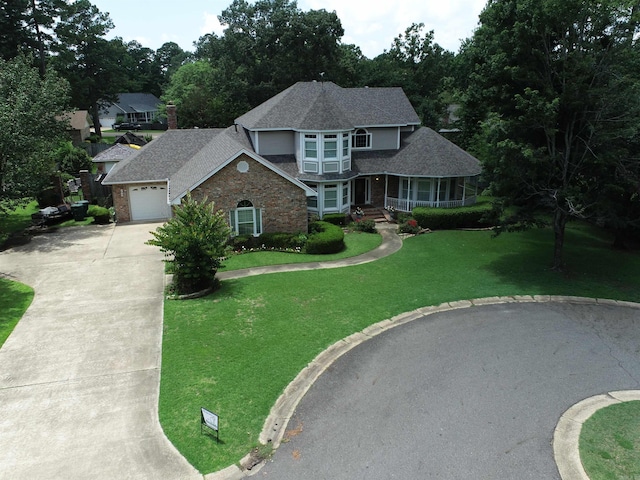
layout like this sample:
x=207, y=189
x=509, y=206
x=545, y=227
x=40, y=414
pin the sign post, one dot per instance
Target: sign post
x=209, y=419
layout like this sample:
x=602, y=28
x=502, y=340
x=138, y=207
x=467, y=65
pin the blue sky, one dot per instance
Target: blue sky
x=370, y=24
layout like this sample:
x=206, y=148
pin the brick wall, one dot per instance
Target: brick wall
x=283, y=204
x=121, y=203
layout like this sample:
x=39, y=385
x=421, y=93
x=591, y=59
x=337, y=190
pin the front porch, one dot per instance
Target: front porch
x=404, y=205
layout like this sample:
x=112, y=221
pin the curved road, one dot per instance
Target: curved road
x=469, y=393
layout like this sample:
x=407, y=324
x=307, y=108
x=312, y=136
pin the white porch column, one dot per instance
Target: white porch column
x=464, y=189
x=438, y=191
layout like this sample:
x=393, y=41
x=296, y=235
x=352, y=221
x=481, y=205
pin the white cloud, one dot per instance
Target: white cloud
x=211, y=24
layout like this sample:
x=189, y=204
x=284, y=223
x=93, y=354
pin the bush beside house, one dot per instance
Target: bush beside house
x=475, y=216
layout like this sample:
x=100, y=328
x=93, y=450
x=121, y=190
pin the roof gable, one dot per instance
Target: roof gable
x=326, y=106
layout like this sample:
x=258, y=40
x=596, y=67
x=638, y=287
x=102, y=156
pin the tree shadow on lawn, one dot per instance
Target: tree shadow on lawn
x=592, y=267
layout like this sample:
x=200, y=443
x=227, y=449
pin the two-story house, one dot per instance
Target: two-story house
x=315, y=148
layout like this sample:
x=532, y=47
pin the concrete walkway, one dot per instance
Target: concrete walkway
x=79, y=376
x=391, y=243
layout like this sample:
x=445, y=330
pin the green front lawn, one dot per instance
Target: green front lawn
x=356, y=243
x=15, y=298
x=610, y=442
x=17, y=220
x=234, y=351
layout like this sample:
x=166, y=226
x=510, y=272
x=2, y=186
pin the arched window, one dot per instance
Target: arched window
x=361, y=139
x=245, y=219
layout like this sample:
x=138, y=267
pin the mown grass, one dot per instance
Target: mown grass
x=610, y=442
x=234, y=351
x=17, y=220
x=15, y=298
x=356, y=243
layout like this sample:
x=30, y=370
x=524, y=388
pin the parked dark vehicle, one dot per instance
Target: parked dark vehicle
x=126, y=126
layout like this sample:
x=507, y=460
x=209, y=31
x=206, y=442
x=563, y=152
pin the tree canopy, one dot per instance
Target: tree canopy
x=556, y=85
x=31, y=108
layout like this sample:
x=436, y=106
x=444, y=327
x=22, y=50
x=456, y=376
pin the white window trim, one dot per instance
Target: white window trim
x=366, y=134
x=257, y=226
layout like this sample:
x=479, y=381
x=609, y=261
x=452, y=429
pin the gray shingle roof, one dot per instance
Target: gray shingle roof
x=185, y=157
x=422, y=153
x=161, y=158
x=116, y=153
x=133, y=103
x=326, y=106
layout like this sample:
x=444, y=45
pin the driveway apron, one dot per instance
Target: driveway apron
x=79, y=375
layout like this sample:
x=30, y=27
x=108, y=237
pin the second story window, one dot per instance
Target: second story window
x=311, y=147
x=361, y=139
x=330, y=146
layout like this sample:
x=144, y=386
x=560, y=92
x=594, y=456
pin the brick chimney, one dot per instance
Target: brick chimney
x=172, y=117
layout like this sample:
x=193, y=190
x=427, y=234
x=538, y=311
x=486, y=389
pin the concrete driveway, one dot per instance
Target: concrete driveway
x=79, y=376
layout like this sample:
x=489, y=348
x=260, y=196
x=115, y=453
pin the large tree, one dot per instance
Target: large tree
x=90, y=63
x=560, y=103
x=30, y=126
x=272, y=44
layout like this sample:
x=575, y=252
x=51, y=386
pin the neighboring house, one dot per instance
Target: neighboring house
x=106, y=159
x=79, y=125
x=313, y=149
x=139, y=108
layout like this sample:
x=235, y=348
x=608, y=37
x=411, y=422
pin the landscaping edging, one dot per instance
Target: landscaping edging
x=284, y=408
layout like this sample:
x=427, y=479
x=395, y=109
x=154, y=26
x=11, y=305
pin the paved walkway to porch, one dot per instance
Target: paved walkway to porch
x=391, y=243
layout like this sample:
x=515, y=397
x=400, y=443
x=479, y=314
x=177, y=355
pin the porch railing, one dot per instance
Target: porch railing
x=404, y=205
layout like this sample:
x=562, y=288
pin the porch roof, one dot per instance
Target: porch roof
x=423, y=153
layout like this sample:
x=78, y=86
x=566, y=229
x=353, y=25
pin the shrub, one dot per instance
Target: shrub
x=409, y=226
x=100, y=215
x=367, y=226
x=451, y=218
x=274, y=241
x=335, y=218
x=324, y=238
x=196, y=236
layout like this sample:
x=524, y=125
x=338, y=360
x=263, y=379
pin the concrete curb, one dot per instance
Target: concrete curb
x=566, y=436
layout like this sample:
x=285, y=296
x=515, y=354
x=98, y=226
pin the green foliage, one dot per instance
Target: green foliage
x=269, y=241
x=554, y=97
x=100, y=214
x=410, y=225
x=473, y=216
x=30, y=107
x=366, y=226
x=71, y=159
x=196, y=237
x=335, y=218
x=324, y=238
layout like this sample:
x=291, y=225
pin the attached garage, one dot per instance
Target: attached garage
x=149, y=202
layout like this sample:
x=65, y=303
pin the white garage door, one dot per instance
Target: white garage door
x=148, y=202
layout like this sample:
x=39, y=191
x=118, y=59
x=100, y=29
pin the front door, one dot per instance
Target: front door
x=362, y=191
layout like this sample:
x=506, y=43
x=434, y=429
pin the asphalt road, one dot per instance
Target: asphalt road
x=472, y=393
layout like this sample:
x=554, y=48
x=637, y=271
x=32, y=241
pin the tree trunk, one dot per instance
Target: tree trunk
x=559, y=222
x=95, y=115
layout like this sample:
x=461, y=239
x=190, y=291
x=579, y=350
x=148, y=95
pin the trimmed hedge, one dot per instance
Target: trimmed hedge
x=274, y=240
x=474, y=216
x=324, y=238
x=335, y=218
